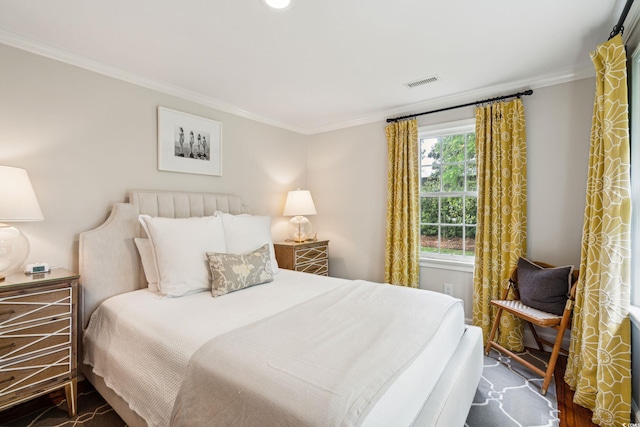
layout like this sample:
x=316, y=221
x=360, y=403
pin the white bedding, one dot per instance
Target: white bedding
x=141, y=343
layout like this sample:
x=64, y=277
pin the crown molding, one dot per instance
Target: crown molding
x=463, y=98
x=52, y=52
x=43, y=49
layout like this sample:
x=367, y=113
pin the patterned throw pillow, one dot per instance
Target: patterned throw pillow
x=546, y=289
x=232, y=272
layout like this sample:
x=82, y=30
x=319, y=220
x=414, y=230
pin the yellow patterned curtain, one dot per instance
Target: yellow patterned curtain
x=599, y=366
x=502, y=213
x=402, y=253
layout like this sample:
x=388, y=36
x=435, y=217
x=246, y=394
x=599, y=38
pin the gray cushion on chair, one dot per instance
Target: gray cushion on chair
x=546, y=289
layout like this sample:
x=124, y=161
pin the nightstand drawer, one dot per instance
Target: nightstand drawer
x=313, y=259
x=21, y=308
x=29, y=339
x=307, y=257
x=320, y=268
x=25, y=373
x=312, y=254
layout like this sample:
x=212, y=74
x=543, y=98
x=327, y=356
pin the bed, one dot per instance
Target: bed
x=299, y=349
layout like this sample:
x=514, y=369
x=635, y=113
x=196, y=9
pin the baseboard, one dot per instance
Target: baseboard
x=547, y=334
x=544, y=333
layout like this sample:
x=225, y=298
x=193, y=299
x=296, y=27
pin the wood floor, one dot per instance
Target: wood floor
x=571, y=415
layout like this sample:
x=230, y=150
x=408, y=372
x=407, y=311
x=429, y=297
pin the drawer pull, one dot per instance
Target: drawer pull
x=8, y=346
x=8, y=380
x=2, y=313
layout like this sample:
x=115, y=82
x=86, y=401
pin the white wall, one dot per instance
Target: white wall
x=347, y=175
x=558, y=132
x=87, y=139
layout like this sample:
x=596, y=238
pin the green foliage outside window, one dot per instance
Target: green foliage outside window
x=448, y=194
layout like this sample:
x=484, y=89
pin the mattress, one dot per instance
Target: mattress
x=140, y=343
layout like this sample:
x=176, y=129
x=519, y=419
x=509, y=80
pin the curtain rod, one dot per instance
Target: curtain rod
x=619, y=27
x=499, y=98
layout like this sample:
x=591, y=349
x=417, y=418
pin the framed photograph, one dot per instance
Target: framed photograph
x=188, y=143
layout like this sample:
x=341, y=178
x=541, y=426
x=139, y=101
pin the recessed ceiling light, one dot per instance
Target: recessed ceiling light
x=278, y=4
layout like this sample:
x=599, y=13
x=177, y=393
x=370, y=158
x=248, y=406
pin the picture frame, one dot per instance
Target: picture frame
x=189, y=143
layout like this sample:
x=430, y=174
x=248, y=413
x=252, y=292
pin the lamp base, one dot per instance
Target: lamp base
x=14, y=250
x=299, y=229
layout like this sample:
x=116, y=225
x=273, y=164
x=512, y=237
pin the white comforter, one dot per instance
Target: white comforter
x=325, y=362
x=140, y=343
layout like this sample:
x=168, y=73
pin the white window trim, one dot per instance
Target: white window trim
x=447, y=262
x=448, y=127
x=634, y=122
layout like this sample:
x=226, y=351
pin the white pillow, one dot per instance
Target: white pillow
x=179, y=246
x=148, y=262
x=246, y=233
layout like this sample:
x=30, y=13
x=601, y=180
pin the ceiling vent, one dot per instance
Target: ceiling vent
x=421, y=82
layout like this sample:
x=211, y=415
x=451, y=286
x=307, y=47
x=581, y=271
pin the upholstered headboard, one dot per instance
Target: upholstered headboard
x=109, y=261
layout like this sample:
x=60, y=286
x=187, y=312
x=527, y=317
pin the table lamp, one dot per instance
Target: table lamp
x=298, y=204
x=18, y=203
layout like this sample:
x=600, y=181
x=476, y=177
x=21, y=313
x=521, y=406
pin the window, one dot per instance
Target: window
x=448, y=190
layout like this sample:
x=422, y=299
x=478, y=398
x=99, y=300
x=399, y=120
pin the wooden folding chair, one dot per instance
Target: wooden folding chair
x=534, y=317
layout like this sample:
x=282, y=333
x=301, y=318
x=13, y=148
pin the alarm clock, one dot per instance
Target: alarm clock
x=40, y=267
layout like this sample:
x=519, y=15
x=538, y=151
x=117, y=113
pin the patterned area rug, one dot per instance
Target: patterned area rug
x=509, y=394
x=93, y=411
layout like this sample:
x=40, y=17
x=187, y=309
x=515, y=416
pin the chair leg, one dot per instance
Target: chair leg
x=494, y=329
x=555, y=352
x=550, y=368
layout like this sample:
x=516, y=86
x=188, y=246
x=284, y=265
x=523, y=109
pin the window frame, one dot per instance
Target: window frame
x=439, y=260
x=634, y=135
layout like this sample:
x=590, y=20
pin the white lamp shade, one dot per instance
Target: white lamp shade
x=299, y=202
x=18, y=201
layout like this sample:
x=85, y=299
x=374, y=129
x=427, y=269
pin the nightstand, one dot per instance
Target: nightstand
x=38, y=318
x=308, y=257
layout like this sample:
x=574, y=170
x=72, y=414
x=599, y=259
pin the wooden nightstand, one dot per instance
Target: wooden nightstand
x=38, y=318
x=308, y=257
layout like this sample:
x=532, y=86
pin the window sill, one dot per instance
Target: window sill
x=445, y=264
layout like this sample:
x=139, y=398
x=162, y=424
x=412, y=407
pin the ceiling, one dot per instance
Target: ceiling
x=321, y=64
